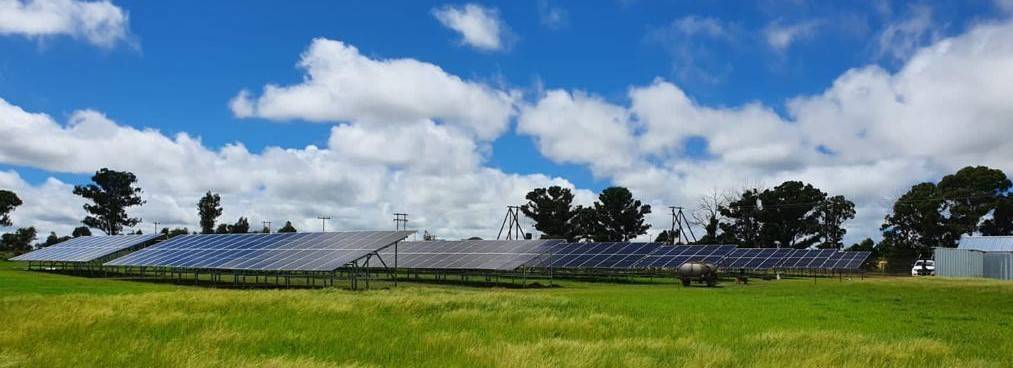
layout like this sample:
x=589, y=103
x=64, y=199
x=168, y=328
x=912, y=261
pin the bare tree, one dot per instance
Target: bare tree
x=709, y=206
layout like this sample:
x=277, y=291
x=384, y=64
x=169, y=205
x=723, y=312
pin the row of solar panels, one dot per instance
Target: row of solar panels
x=330, y=251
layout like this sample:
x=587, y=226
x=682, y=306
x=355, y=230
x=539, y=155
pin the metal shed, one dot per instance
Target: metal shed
x=998, y=265
x=977, y=256
x=959, y=262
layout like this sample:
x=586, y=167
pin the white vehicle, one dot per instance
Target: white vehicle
x=924, y=267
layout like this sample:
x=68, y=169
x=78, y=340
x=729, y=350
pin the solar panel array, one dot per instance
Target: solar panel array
x=847, y=260
x=263, y=252
x=670, y=256
x=798, y=259
x=616, y=255
x=501, y=255
x=85, y=248
x=754, y=258
x=804, y=259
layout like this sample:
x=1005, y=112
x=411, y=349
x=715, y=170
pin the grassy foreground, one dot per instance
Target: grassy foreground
x=63, y=321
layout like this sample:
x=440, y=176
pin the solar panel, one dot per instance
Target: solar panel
x=754, y=258
x=503, y=255
x=612, y=255
x=85, y=248
x=669, y=256
x=806, y=259
x=263, y=252
x=846, y=260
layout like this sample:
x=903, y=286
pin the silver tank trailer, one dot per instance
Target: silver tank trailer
x=699, y=272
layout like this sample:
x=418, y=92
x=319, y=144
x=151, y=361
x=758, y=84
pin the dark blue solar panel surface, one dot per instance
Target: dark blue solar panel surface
x=503, y=255
x=846, y=260
x=615, y=255
x=754, y=258
x=673, y=256
x=806, y=259
x=85, y=248
x=266, y=252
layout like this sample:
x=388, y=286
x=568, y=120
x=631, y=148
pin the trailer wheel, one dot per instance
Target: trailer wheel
x=685, y=282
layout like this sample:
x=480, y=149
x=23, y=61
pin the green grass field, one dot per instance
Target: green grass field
x=64, y=321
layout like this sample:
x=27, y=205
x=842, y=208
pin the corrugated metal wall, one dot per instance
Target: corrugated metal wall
x=959, y=262
x=998, y=265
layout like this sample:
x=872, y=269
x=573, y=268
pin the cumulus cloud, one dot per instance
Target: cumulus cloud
x=480, y=27
x=98, y=22
x=869, y=136
x=366, y=173
x=578, y=128
x=342, y=85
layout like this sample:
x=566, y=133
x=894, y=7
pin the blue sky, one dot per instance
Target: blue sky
x=181, y=62
x=189, y=58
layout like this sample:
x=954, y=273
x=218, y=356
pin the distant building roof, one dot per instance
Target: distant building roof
x=987, y=243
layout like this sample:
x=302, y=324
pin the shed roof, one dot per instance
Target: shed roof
x=987, y=243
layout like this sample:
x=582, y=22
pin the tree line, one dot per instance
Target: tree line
x=791, y=215
x=794, y=214
x=110, y=194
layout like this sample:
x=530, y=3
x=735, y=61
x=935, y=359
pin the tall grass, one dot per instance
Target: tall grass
x=787, y=323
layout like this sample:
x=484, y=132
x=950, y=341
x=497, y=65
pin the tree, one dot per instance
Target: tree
x=174, y=232
x=1001, y=222
x=665, y=236
x=19, y=241
x=707, y=215
x=288, y=228
x=8, y=201
x=265, y=230
x=209, y=208
x=242, y=226
x=53, y=239
x=970, y=194
x=831, y=215
x=81, y=231
x=788, y=215
x=711, y=233
x=620, y=216
x=223, y=229
x=551, y=209
x=111, y=193
x=917, y=222
x=586, y=225
x=744, y=215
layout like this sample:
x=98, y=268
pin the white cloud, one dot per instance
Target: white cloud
x=98, y=22
x=367, y=172
x=578, y=128
x=553, y=17
x=781, y=36
x=870, y=135
x=901, y=39
x=343, y=85
x=695, y=44
x=695, y=25
x=480, y=27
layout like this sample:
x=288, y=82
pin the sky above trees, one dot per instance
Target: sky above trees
x=452, y=111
